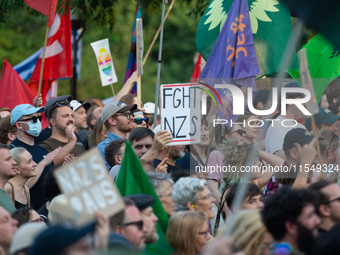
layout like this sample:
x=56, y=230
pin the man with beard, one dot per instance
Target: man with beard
x=144, y=205
x=7, y=171
x=26, y=119
x=329, y=207
x=290, y=217
x=172, y=153
x=60, y=116
x=117, y=118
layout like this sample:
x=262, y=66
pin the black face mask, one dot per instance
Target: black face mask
x=306, y=239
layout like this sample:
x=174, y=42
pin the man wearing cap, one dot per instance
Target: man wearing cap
x=79, y=117
x=296, y=135
x=283, y=123
x=117, y=118
x=144, y=205
x=325, y=119
x=60, y=117
x=26, y=119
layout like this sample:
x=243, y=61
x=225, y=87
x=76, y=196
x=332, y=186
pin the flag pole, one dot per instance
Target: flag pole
x=113, y=90
x=157, y=33
x=139, y=62
x=43, y=61
x=159, y=62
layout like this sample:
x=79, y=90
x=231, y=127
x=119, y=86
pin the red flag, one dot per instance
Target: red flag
x=46, y=7
x=14, y=90
x=197, y=70
x=49, y=89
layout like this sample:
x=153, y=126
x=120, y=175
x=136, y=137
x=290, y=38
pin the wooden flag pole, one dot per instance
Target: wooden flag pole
x=139, y=61
x=113, y=90
x=317, y=144
x=157, y=33
x=43, y=61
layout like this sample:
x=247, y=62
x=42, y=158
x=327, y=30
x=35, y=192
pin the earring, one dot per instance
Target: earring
x=192, y=206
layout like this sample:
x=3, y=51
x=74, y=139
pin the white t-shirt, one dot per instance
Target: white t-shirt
x=277, y=132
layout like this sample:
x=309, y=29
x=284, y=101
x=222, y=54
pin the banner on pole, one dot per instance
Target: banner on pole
x=88, y=187
x=106, y=69
x=181, y=112
x=140, y=47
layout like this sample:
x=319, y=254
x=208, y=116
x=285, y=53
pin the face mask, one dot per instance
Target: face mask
x=34, y=128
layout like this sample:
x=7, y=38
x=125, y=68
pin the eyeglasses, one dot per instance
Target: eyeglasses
x=138, y=224
x=35, y=119
x=208, y=196
x=38, y=220
x=140, y=120
x=205, y=233
x=333, y=200
x=239, y=131
x=169, y=195
x=128, y=115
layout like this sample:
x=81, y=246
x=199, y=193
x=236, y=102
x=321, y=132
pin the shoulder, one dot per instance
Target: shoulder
x=8, y=189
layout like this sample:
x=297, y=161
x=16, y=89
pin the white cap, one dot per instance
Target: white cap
x=76, y=104
x=150, y=108
x=25, y=236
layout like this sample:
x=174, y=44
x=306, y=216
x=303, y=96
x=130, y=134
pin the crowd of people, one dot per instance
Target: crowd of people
x=289, y=174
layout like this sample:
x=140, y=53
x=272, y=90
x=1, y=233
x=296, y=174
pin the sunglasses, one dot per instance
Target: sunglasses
x=140, y=120
x=138, y=224
x=61, y=104
x=128, y=115
x=239, y=131
x=35, y=119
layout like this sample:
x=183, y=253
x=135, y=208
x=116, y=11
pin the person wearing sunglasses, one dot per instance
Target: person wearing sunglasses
x=117, y=118
x=139, y=120
x=26, y=119
x=129, y=224
x=59, y=114
x=251, y=127
x=328, y=207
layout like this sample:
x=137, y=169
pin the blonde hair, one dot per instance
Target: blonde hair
x=182, y=228
x=329, y=140
x=16, y=154
x=248, y=230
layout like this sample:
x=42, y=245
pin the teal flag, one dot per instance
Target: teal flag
x=270, y=24
x=133, y=180
x=323, y=63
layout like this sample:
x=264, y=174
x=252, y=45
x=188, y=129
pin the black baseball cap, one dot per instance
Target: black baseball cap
x=296, y=135
x=142, y=201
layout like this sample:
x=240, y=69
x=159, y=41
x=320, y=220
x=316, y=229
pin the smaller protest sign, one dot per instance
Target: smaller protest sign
x=106, y=69
x=181, y=112
x=88, y=187
x=307, y=83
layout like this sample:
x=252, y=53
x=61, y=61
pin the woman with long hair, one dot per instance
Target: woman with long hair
x=251, y=127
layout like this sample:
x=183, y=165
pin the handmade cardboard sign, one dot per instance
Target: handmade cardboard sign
x=106, y=69
x=181, y=112
x=88, y=187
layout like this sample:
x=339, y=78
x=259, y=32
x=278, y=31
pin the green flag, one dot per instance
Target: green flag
x=271, y=27
x=323, y=62
x=133, y=180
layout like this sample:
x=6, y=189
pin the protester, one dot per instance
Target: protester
x=117, y=118
x=26, y=120
x=162, y=183
x=325, y=119
x=144, y=204
x=8, y=228
x=139, y=120
x=99, y=134
x=7, y=171
x=92, y=115
x=114, y=154
x=60, y=116
x=26, y=214
x=194, y=195
x=328, y=208
x=141, y=140
x=79, y=117
x=24, y=238
x=188, y=232
x=323, y=101
x=130, y=225
x=290, y=217
x=4, y=111
x=8, y=132
x=149, y=113
x=170, y=154
x=277, y=131
x=250, y=126
x=249, y=233
x=330, y=244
